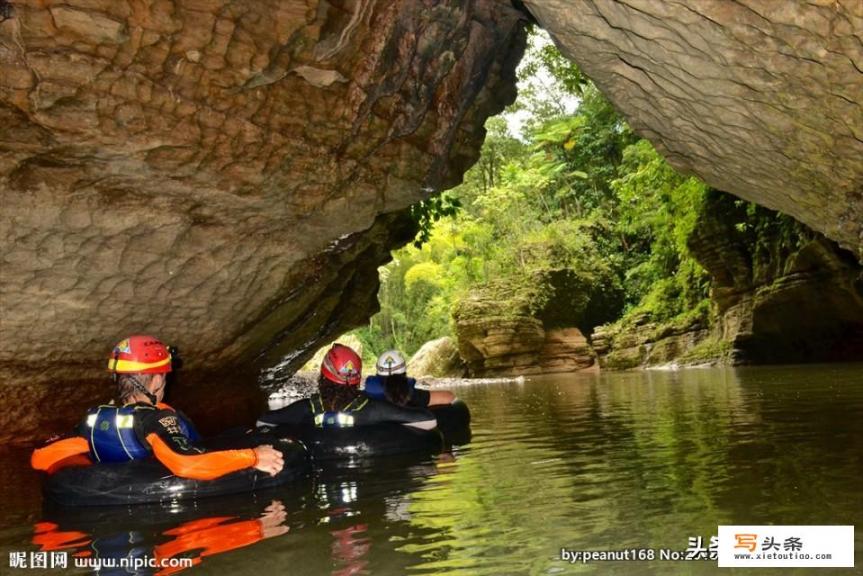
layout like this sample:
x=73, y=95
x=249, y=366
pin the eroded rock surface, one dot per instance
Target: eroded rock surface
x=780, y=293
x=503, y=337
x=645, y=344
x=783, y=293
x=760, y=98
x=227, y=175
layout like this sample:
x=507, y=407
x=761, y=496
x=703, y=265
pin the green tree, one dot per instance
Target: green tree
x=576, y=216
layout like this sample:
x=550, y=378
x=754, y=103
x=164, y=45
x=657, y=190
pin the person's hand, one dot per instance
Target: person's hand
x=269, y=459
x=273, y=520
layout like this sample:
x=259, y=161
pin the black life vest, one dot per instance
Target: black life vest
x=342, y=419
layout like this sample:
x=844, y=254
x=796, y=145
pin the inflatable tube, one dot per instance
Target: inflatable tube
x=385, y=439
x=148, y=481
x=364, y=441
x=453, y=421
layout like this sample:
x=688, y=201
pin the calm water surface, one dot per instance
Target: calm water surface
x=592, y=462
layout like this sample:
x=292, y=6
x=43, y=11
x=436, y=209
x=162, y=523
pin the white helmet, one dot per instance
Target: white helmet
x=391, y=362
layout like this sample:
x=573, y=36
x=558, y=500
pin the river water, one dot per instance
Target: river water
x=589, y=462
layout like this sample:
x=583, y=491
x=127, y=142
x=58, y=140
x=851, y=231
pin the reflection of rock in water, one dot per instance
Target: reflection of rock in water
x=447, y=383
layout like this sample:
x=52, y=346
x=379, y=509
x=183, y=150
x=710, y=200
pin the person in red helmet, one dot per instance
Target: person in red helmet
x=140, y=425
x=340, y=403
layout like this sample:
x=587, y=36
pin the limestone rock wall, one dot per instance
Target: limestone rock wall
x=783, y=293
x=500, y=336
x=225, y=174
x=521, y=346
x=760, y=98
x=644, y=344
x=780, y=293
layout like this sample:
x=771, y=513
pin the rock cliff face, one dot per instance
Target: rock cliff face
x=225, y=174
x=644, y=344
x=501, y=336
x=760, y=98
x=780, y=293
x=783, y=293
x=513, y=347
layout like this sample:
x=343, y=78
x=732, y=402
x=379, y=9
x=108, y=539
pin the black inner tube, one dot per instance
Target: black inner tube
x=148, y=481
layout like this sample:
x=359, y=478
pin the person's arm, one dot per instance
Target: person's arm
x=440, y=397
x=48, y=456
x=376, y=412
x=161, y=431
x=423, y=397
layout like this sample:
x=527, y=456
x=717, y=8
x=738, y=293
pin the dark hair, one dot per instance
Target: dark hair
x=396, y=389
x=126, y=388
x=334, y=396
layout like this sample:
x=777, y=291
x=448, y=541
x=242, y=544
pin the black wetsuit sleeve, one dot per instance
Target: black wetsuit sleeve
x=379, y=411
x=297, y=414
x=192, y=428
x=420, y=398
x=166, y=425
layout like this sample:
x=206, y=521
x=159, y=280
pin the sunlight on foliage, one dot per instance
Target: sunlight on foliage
x=575, y=217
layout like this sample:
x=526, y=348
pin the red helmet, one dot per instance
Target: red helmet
x=342, y=366
x=140, y=355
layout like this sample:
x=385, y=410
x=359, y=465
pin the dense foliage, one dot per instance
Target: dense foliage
x=576, y=218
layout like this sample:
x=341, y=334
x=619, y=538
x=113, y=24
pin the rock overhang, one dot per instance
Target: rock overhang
x=228, y=175
x=225, y=175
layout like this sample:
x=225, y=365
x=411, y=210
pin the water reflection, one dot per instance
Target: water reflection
x=341, y=503
x=656, y=459
x=158, y=534
x=587, y=462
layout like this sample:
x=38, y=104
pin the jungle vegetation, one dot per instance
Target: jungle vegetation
x=575, y=195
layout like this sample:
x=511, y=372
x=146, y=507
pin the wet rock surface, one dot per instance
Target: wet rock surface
x=760, y=98
x=225, y=175
x=645, y=344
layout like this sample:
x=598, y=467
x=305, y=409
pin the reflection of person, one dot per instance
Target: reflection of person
x=195, y=539
x=211, y=536
x=340, y=403
x=140, y=425
x=350, y=548
x=392, y=383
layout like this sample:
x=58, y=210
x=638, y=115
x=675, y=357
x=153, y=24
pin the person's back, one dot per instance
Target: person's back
x=391, y=383
x=141, y=426
x=340, y=403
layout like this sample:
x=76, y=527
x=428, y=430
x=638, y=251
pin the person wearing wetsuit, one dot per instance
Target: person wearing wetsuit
x=393, y=384
x=340, y=403
x=141, y=426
